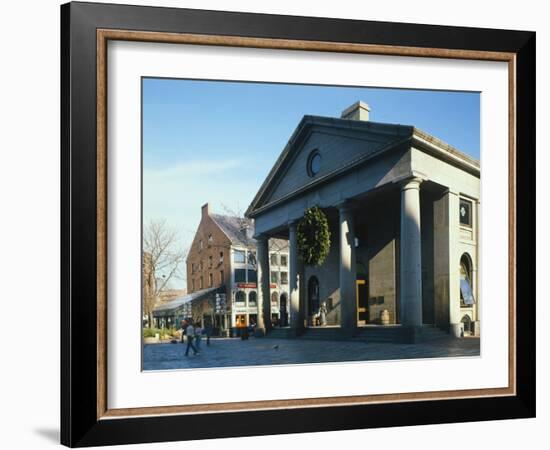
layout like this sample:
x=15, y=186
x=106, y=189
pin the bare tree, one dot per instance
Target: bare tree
x=162, y=261
x=238, y=214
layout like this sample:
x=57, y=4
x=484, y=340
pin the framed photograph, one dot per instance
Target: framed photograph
x=278, y=224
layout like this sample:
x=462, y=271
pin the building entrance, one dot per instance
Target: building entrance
x=362, y=294
x=313, y=301
x=240, y=321
x=284, y=311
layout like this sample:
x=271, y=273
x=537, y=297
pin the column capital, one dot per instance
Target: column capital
x=345, y=205
x=261, y=237
x=292, y=223
x=413, y=182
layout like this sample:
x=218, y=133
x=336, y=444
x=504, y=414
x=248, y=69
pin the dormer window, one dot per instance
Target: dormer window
x=314, y=163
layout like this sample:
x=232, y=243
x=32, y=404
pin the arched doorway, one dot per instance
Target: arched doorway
x=467, y=324
x=312, y=297
x=283, y=310
x=362, y=294
x=466, y=286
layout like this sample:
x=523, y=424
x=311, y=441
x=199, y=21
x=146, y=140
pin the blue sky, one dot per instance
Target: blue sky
x=220, y=139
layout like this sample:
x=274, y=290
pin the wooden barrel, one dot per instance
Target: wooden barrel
x=385, y=317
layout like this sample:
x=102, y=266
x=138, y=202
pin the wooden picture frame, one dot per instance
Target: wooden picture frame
x=86, y=28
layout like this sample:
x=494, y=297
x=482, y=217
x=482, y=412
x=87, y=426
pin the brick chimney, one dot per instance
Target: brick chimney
x=205, y=210
x=357, y=111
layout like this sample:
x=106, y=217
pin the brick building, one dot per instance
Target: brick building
x=222, y=262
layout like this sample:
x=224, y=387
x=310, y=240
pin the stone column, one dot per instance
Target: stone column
x=348, y=275
x=262, y=254
x=447, y=262
x=410, y=254
x=294, y=282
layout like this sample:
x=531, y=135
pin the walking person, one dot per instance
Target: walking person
x=190, y=335
x=184, y=324
x=198, y=336
x=208, y=331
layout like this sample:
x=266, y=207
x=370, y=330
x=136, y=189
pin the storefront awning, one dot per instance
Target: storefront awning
x=175, y=306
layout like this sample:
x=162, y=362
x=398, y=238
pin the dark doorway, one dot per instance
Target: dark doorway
x=283, y=310
x=362, y=294
x=362, y=302
x=467, y=325
x=313, y=296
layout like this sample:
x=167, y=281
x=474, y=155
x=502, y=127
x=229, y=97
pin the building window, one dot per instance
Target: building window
x=273, y=260
x=274, y=277
x=201, y=266
x=465, y=213
x=284, y=260
x=222, y=280
x=240, y=275
x=239, y=256
x=240, y=297
x=252, y=276
x=192, y=285
x=284, y=277
x=210, y=263
x=210, y=239
x=252, y=299
x=466, y=292
x=274, y=298
x=210, y=279
x=221, y=257
x=314, y=163
x=192, y=267
x=200, y=283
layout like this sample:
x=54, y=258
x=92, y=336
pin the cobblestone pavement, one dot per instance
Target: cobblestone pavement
x=267, y=351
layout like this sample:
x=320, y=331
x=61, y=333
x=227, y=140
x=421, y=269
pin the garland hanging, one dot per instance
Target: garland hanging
x=313, y=236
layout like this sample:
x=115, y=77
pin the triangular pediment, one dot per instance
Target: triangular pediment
x=340, y=145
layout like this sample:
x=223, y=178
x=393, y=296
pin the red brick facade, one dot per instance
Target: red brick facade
x=208, y=261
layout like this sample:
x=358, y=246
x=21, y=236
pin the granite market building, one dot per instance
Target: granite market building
x=403, y=212
x=222, y=276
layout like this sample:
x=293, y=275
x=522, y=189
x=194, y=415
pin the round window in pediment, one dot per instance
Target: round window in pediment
x=314, y=163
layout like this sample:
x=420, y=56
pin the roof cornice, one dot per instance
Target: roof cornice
x=411, y=135
x=305, y=124
x=444, y=151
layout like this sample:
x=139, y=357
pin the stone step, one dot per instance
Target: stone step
x=380, y=334
x=330, y=334
x=397, y=334
x=281, y=333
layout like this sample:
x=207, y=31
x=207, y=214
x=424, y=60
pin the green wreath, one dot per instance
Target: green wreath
x=313, y=237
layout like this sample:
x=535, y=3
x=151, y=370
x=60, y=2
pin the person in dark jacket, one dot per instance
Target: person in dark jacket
x=189, y=332
x=208, y=333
